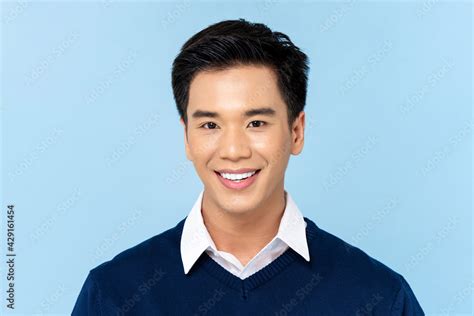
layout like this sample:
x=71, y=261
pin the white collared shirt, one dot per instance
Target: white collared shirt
x=196, y=239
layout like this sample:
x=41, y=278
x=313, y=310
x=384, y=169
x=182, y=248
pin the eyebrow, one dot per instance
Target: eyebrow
x=252, y=112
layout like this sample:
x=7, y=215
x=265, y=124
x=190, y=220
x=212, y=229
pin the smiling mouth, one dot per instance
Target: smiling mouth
x=237, y=177
x=238, y=182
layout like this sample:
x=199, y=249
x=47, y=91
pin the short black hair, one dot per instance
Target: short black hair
x=238, y=42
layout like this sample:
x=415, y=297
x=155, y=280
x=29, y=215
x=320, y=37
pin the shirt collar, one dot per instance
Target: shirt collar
x=195, y=238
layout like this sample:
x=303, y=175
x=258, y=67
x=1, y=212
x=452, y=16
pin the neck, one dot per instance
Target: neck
x=244, y=234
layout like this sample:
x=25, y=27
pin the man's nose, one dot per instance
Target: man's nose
x=234, y=144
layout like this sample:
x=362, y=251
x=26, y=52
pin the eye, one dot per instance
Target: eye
x=259, y=122
x=211, y=123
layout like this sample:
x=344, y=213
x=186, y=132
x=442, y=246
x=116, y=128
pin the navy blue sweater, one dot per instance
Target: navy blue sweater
x=339, y=279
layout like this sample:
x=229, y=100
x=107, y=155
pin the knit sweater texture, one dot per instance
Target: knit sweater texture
x=339, y=279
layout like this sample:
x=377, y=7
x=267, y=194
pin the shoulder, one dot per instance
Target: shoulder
x=342, y=260
x=130, y=273
x=351, y=270
x=158, y=252
x=341, y=257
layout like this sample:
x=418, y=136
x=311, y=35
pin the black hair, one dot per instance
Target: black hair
x=239, y=42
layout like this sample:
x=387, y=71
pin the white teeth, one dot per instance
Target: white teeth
x=234, y=176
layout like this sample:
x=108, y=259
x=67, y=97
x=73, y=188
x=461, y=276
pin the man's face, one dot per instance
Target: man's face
x=229, y=139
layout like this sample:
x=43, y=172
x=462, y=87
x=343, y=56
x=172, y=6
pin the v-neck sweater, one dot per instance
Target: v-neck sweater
x=340, y=279
x=196, y=239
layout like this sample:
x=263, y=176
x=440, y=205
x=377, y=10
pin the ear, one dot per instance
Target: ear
x=297, y=134
x=186, y=143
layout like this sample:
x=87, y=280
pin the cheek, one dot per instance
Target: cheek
x=203, y=151
x=261, y=145
x=264, y=139
x=273, y=145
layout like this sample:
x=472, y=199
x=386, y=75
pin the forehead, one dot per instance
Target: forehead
x=235, y=89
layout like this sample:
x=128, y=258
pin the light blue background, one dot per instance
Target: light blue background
x=93, y=155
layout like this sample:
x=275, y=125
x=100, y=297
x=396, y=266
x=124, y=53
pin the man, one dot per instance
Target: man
x=245, y=248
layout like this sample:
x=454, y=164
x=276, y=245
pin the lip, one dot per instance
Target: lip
x=243, y=170
x=238, y=185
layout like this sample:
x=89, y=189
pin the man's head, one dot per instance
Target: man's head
x=240, y=90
